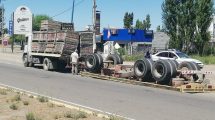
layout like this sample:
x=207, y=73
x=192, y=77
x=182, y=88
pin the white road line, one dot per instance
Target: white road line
x=65, y=102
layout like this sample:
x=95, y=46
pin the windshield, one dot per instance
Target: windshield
x=182, y=55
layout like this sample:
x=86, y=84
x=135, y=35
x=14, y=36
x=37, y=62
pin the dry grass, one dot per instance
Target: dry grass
x=15, y=106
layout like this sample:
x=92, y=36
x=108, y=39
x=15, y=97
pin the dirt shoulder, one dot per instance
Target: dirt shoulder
x=17, y=106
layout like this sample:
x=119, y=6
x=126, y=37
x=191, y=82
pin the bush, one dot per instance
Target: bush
x=16, y=98
x=13, y=107
x=43, y=99
x=133, y=57
x=205, y=59
x=25, y=103
x=77, y=116
x=3, y=92
x=30, y=116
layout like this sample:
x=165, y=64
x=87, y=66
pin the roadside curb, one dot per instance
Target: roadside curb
x=70, y=105
x=128, y=81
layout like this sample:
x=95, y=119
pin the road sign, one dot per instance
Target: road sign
x=10, y=27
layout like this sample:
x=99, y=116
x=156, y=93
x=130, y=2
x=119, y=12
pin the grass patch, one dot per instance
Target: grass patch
x=25, y=103
x=42, y=99
x=16, y=98
x=30, y=116
x=133, y=57
x=205, y=59
x=13, y=107
x=3, y=92
x=76, y=116
x=114, y=118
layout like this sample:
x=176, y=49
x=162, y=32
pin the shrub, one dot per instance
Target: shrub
x=13, y=107
x=25, y=103
x=16, y=98
x=3, y=92
x=43, y=99
x=30, y=116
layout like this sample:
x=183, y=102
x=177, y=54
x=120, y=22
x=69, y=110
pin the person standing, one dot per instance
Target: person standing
x=74, y=57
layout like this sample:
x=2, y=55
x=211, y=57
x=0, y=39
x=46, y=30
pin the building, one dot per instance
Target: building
x=134, y=41
x=160, y=41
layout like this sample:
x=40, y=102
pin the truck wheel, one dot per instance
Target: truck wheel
x=91, y=62
x=46, y=64
x=119, y=59
x=113, y=58
x=142, y=69
x=100, y=62
x=173, y=66
x=161, y=71
x=25, y=61
x=189, y=66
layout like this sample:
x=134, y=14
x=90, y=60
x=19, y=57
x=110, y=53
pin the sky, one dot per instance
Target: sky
x=112, y=11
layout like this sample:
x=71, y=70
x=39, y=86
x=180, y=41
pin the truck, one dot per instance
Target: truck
x=52, y=48
x=53, y=45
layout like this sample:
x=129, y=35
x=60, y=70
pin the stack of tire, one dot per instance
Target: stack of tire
x=161, y=71
x=142, y=70
x=164, y=70
x=117, y=59
x=94, y=63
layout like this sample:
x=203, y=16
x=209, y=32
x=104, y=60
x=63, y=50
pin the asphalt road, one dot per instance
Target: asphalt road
x=137, y=102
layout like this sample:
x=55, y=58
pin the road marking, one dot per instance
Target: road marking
x=70, y=105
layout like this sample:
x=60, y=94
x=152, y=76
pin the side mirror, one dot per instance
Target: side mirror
x=175, y=58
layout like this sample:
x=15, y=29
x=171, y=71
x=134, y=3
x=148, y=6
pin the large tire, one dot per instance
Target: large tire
x=100, y=62
x=162, y=71
x=195, y=66
x=113, y=58
x=48, y=64
x=93, y=62
x=174, y=67
x=119, y=59
x=142, y=69
x=25, y=61
x=189, y=66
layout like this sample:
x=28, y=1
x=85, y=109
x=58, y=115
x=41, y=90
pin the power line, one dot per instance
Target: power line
x=68, y=9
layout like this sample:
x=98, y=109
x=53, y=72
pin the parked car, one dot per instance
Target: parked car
x=175, y=55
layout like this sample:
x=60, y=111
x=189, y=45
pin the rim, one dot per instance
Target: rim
x=159, y=70
x=90, y=62
x=140, y=69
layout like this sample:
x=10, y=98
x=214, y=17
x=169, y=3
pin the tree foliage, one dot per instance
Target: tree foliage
x=187, y=22
x=145, y=25
x=158, y=29
x=128, y=20
x=37, y=21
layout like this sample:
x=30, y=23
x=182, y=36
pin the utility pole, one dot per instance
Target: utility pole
x=73, y=5
x=94, y=25
x=1, y=20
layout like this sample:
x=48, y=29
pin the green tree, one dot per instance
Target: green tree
x=139, y=24
x=128, y=20
x=37, y=21
x=204, y=16
x=158, y=29
x=148, y=22
x=170, y=21
x=187, y=22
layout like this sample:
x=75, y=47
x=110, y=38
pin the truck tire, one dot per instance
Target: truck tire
x=91, y=62
x=174, y=67
x=190, y=66
x=195, y=66
x=25, y=61
x=119, y=59
x=113, y=58
x=47, y=64
x=162, y=71
x=100, y=62
x=186, y=66
x=142, y=69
